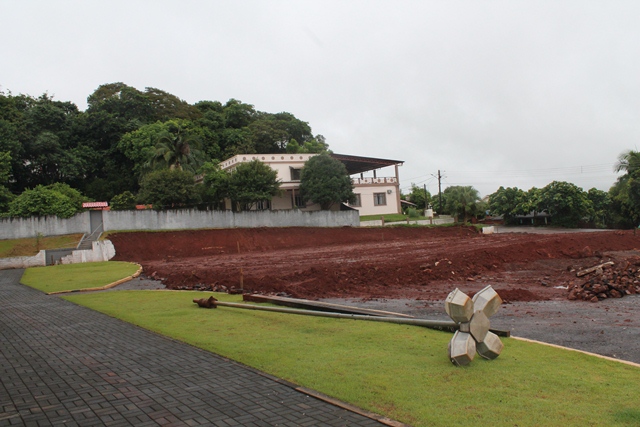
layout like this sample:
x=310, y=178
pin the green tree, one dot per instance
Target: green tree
x=601, y=203
x=624, y=212
x=5, y=172
x=314, y=145
x=167, y=106
x=419, y=197
x=141, y=145
x=237, y=115
x=177, y=150
x=5, y=167
x=123, y=202
x=461, y=201
x=215, y=186
x=252, y=182
x=567, y=203
x=509, y=202
x=625, y=193
x=168, y=189
x=74, y=195
x=325, y=181
x=42, y=201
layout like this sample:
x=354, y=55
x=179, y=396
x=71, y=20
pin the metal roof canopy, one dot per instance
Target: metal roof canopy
x=357, y=164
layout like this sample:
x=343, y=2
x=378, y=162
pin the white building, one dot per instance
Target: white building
x=375, y=195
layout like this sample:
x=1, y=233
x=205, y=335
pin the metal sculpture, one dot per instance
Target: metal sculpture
x=472, y=316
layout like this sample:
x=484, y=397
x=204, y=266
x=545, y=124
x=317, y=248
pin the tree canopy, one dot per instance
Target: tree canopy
x=509, y=202
x=168, y=189
x=56, y=199
x=103, y=151
x=566, y=202
x=325, y=180
x=461, y=201
x=252, y=182
x=418, y=196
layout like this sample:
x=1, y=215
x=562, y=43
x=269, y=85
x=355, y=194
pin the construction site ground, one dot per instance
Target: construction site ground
x=411, y=270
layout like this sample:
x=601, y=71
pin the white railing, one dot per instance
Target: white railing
x=383, y=180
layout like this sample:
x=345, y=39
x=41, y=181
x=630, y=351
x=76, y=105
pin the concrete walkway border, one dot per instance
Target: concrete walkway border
x=102, y=288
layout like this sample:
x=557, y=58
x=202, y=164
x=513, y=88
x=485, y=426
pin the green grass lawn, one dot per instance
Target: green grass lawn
x=69, y=277
x=31, y=246
x=399, y=371
x=389, y=217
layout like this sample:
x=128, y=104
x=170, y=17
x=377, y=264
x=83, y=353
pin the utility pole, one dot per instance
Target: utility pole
x=426, y=205
x=439, y=192
x=439, y=176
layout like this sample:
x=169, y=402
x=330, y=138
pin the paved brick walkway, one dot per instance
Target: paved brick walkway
x=61, y=364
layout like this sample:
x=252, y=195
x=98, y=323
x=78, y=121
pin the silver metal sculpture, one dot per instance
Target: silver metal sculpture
x=472, y=315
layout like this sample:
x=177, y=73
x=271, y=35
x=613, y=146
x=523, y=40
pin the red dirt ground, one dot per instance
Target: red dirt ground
x=415, y=263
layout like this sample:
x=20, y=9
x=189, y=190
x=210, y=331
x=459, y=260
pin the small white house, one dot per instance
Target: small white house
x=375, y=195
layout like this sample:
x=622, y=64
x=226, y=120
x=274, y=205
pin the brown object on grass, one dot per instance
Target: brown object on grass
x=210, y=302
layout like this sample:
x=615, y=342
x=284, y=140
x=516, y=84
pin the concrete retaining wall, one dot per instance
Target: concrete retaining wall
x=193, y=219
x=100, y=251
x=23, y=261
x=21, y=228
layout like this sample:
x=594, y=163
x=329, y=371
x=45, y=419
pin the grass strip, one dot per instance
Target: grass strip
x=399, y=371
x=71, y=277
x=31, y=246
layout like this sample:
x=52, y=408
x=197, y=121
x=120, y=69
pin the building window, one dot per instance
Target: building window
x=295, y=174
x=358, y=201
x=298, y=202
x=263, y=205
x=379, y=199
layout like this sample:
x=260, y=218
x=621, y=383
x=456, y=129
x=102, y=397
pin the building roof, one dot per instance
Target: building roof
x=358, y=164
x=95, y=204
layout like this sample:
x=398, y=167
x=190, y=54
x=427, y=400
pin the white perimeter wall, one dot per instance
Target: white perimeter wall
x=193, y=219
x=20, y=228
x=175, y=220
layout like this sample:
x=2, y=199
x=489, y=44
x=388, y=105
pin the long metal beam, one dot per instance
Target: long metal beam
x=442, y=325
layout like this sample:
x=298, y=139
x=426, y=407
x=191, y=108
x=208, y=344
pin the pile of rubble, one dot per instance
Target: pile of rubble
x=608, y=280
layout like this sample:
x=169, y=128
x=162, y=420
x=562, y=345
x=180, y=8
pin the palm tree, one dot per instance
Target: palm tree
x=461, y=200
x=629, y=162
x=177, y=151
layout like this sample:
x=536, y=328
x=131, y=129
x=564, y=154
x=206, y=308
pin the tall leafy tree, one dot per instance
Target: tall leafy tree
x=601, y=204
x=123, y=202
x=325, y=181
x=168, y=189
x=625, y=193
x=418, y=196
x=461, y=201
x=46, y=200
x=215, y=185
x=5, y=172
x=509, y=202
x=566, y=202
x=167, y=106
x=251, y=183
x=177, y=150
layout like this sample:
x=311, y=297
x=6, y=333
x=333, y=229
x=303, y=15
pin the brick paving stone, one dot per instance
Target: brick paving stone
x=62, y=364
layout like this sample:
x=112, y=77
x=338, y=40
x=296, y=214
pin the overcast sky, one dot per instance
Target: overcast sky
x=490, y=93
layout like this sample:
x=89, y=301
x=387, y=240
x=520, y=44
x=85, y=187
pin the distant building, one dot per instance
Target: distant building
x=374, y=195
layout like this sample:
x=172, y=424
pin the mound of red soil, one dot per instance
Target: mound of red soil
x=371, y=263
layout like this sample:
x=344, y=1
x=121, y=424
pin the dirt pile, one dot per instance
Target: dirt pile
x=609, y=282
x=392, y=263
